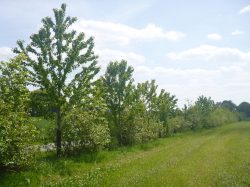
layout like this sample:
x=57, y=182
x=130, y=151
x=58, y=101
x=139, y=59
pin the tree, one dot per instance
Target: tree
x=61, y=62
x=197, y=114
x=118, y=83
x=205, y=105
x=148, y=95
x=166, y=107
x=228, y=105
x=244, y=108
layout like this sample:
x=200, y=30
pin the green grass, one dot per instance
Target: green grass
x=215, y=157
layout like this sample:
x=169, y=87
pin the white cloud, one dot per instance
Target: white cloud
x=120, y=34
x=228, y=78
x=225, y=82
x=237, y=32
x=211, y=53
x=245, y=9
x=107, y=55
x=161, y=71
x=214, y=36
x=5, y=53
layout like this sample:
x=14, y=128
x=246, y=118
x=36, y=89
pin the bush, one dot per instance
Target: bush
x=146, y=131
x=178, y=124
x=84, y=131
x=221, y=116
x=135, y=129
x=195, y=118
x=16, y=137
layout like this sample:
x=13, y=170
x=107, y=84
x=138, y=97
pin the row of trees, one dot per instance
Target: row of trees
x=89, y=112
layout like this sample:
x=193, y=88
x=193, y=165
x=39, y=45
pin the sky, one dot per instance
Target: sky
x=190, y=48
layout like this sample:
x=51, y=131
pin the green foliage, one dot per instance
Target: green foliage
x=205, y=105
x=136, y=129
x=244, y=108
x=85, y=130
x=17, y=135
x=39, y=104
x=53, y=54
x=45, y=128
x=205, y=114
x=178, y=124
x=13, y=79
x=16, y=132
x=193, y=116
x=148, y=96
x=221, y=116
x=146, y=131
x=85, y=127
x=117, y=82
x=197, y=114
x=156, y=107
x=228, y=105
x=166, y=108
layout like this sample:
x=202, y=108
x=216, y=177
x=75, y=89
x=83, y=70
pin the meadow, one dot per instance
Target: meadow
x=214, y=157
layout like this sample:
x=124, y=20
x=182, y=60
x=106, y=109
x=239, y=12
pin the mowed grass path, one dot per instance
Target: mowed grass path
x=215, y=157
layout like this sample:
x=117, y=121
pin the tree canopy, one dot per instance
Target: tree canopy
x=61, y=62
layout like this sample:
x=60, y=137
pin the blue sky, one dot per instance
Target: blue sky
x=190, y=47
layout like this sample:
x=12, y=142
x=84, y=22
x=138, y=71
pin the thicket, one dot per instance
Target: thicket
x=90, y=113
x=17, y=134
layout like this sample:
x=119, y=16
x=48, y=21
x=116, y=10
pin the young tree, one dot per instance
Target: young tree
x=118, y=83
x=166, y=107
x=198, y=113
x=61, y=62
x=148, y=95
x=205, y=105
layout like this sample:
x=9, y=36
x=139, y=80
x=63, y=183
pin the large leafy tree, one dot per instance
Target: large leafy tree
x=61, y=62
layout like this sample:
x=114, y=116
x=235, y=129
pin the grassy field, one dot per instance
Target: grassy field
x=215, y=157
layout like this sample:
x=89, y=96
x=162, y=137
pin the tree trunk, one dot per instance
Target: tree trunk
x=58, y=134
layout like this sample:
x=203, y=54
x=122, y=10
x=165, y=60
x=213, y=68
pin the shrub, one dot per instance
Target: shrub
x=16, y=137
x=195, y=118
x=84, y=130
x=145, y=131
x=136, y=129
x=221, y=116
x=178, y=124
